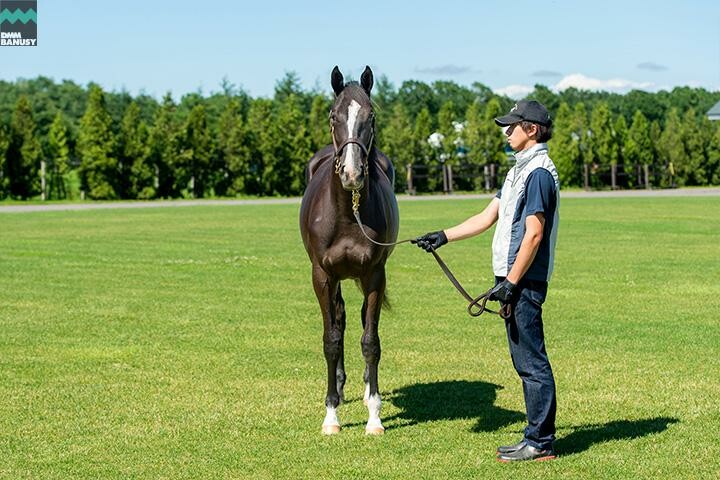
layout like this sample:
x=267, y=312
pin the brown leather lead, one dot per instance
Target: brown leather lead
x=477, y=304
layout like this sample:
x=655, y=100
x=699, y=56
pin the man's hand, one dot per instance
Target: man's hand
x=502, y=292
x=431, y=241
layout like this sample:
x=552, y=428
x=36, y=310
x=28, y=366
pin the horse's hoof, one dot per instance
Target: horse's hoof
x=330, y=429
x=374, y=430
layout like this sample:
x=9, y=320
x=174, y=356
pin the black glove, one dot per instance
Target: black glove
x=434, y=240
x=502, y=292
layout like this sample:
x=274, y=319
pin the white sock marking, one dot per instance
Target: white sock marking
x=331, y=418
x=374, y=406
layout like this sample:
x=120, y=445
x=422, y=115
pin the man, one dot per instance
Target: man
x=526, y=212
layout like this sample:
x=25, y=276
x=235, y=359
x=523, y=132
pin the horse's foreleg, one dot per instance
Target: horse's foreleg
x=340, y=318
x=326, y=290
x=374, y=290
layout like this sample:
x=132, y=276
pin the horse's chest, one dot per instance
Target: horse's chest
x=346, y=257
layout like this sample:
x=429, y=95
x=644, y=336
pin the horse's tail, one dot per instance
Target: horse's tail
x=386, y=299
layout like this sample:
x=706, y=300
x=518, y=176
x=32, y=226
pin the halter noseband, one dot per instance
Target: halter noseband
x=356, y=141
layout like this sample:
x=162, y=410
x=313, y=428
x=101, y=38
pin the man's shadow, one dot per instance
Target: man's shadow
x=461, y=399
x=452, y=400
x=584, y=436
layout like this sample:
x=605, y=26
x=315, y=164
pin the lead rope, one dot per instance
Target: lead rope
x=476, y=306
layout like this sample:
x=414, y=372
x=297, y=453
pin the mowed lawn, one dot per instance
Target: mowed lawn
x=187, y=343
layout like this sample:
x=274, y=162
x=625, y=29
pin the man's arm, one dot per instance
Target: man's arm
x=477, y=224
x=534, y=225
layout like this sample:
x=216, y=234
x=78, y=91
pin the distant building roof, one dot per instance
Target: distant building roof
x=714, y=112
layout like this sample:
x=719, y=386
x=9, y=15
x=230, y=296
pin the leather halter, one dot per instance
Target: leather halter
x=338, y=150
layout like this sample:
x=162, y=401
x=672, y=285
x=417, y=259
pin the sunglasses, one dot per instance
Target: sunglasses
x=510, y=128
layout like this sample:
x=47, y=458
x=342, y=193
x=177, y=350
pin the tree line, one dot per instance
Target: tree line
x=112, y=145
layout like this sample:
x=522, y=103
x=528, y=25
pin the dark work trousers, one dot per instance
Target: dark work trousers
x=527, y=349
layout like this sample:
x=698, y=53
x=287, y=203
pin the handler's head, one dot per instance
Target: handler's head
x=533, y=118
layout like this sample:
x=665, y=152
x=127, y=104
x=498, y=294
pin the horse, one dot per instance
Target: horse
x=335, y=243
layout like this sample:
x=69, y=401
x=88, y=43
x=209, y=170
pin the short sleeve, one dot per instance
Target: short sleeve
x=540, y=193
x=499, y=193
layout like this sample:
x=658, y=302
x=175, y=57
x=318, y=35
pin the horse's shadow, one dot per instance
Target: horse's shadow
x=452, y=400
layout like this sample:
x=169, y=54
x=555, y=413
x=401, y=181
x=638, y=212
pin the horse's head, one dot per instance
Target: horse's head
x=352, y=124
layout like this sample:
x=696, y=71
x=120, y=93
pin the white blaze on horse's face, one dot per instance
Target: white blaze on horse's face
x=352, y=172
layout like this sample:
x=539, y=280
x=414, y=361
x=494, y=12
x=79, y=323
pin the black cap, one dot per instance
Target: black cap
x=528, y=111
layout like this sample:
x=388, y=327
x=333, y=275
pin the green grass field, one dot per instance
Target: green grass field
x=187, y=343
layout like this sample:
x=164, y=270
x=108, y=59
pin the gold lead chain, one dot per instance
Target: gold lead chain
x=355, y=200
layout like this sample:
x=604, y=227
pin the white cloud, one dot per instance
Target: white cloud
x=581, y=82
x=652, y=66
x=514, y=91
x=445, y=70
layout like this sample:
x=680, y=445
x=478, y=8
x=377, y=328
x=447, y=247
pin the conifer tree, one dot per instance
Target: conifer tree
x=712, y=154
x=638, y=148
x=233, y=151
x=193, y=172
x=4, y=144
x=620, y=135
x=165, y=148
x=59, y=157
x=261, y=141
x=285, y=166
x=604, y=146
x=695, y=136
x=397, y=142
x=23, y=152
x=137, y=175
x=473, y=135
x=671, y=150
x=318, y=125
x=421, y=151
x=446, y=117
x=493, y=139
x=655, y=134
x=96, y=146
x=581, y=128
x=384, y=98
x=565, y=147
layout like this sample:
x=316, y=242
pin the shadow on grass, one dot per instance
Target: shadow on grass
x=584, y=436
x=452, y=400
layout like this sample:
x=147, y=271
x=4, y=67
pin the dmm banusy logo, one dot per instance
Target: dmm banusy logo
x=18, y=23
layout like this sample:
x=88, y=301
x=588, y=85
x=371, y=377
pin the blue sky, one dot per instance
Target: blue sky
x=177, y=46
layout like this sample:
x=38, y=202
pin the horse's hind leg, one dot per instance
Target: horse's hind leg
x=374, y=290
x=326, y=291
x=340, y=319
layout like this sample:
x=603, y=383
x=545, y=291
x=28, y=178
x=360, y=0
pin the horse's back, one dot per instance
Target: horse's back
x=386, y=166
x=320, y=157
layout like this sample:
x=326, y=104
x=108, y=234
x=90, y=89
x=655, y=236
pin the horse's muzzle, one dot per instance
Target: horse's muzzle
x=356, y=183
x=353, y=178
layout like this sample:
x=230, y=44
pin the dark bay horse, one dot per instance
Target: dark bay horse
x=335, y=244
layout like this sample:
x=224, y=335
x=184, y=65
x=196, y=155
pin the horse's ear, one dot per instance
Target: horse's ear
x=337, y=81
x=366, y=79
